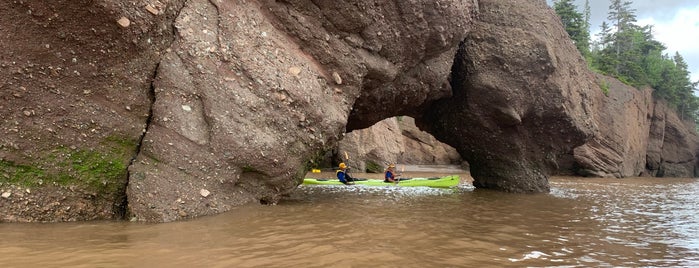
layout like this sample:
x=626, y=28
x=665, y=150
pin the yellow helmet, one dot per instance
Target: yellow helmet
x=391, y=165
x=342, y=165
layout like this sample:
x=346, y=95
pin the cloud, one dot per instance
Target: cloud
x=675, y=24
x=679, y=34
x=660, y=10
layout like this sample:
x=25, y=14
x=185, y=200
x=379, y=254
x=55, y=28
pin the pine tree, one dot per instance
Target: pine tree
x=575, y=25
x=655, y=62
x=585, y=37
x=623, y=17
x=687, y=101
x=587, y=13
x=631, y=54
x=603, y=56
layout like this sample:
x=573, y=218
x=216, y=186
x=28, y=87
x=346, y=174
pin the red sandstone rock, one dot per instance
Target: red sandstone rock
x=235, y=97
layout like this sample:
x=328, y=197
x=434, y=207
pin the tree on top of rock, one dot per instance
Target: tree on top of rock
x=630, y=53
x=575, y=23
x=623, y=18
x=683, y=88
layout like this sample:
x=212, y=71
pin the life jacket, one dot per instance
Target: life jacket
x=337, y=173
x=388, y=175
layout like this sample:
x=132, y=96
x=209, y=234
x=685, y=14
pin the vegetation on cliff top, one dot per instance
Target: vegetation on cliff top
x=630, y=53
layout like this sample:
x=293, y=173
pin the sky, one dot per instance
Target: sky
x=675, y=24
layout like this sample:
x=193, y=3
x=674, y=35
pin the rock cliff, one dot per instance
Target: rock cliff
x=164, y=110
x=638, y=136
x=192, y=107
x=522, y=97
x=394, y=140
x=249, y=91
x=619, y=148
x=673, y=145
x=75, y=91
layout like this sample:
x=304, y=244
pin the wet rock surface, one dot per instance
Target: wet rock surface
x=673, y=145
x=618, y=149
x=160, y=100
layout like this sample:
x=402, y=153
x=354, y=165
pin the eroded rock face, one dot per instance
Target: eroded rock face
x=375, y=146
x=75, y=78
x=394, y=140
x=673, y=145
x=235, y=95
x=204, y=105
x=618, y=149
x=521, y=97
x=388, y=56
x=638, y=136
x=422, y=148
x=248, y=92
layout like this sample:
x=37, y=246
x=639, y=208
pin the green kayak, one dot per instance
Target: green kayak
x=443, y=182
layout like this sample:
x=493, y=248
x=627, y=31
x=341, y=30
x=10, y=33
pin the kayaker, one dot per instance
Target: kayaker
x=343, y=176
x=390, y=174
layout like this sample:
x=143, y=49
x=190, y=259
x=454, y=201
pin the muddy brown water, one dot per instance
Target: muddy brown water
x=635, y=222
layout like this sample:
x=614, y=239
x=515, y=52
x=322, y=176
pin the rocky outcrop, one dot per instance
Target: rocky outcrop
x=173, y=109
x=75, y=98
x=372, y=148
x=234, y=97
x=673, y=145
x=423, y=148
x=248, y=92
x=394, y=140
x=521, y=97
x=618, y=149
x=638, y=136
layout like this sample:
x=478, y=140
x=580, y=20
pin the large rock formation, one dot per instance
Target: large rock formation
x=249, y=91
x=394, y=140
x=638, y=136
x=619, y=148
x=423, y=148
x=75, y=98
x=236, y=96
x=171, y=109
x=521, y=97
x=673, y=145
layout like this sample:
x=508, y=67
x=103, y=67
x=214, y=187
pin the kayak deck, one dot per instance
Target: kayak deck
x=442, y=182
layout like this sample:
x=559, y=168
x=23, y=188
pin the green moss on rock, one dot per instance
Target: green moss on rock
x=102, y=170
x=23, y=175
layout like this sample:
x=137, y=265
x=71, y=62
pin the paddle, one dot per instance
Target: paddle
x=347, y=170
x=402, y=169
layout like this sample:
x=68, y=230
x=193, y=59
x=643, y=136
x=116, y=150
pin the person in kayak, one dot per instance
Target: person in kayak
x=390, y=174
x=343, y=176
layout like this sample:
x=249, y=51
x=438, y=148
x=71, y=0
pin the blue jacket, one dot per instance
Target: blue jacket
x=388, y=175
x=341, y=175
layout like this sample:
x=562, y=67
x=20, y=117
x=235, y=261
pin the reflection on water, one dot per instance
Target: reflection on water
x=581, y=223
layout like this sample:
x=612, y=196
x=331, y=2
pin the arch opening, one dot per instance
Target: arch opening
x=394, y=140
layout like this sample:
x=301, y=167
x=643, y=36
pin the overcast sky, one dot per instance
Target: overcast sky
x=675, y=24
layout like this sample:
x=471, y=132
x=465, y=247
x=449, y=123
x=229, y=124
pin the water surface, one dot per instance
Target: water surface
x=635, y=222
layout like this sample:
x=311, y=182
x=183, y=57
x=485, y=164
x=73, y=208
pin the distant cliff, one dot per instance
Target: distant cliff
x=638, y=136
x=394, y=140
x=168, y=110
